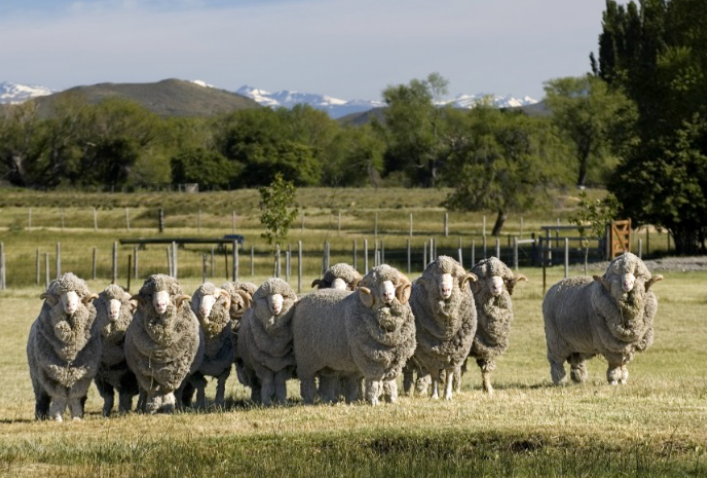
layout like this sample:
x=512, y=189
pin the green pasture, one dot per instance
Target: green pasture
x=654, y=426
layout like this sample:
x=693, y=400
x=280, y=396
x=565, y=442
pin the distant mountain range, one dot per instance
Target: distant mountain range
x=183, y=98
x=338, y=108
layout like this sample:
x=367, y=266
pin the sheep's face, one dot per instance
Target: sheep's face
x=114, y=309
x=339, y=283
x=205, y=304
x=69, y=302
x=495, y=285
x=387, y=292
x=446, y=285
x=275, y=303
x=160, y=301
x=627, y=281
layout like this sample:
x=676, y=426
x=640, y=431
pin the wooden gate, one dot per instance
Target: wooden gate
x=619, y=237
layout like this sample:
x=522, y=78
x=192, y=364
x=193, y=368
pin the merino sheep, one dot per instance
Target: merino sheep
x=610, y=315
x=370, y=333
x=339, y=276
x=492, y=295
x=212, y=307
x=265, y=342
x=445, y=323
x=64, y=348
x=163, y=344
x=114, y=312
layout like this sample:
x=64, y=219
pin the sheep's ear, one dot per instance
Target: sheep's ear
x=90, y=298
x=244, y=303
x=49, y=298
x=607, y=286
x=317, y=283
x=511, y=283
x=354, y=284
x=133, y=305
x=469, y=277
x=402, y=292
x=138, y=300
x=652, y=281
x=364, y=293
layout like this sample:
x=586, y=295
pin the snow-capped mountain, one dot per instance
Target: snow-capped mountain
x=508, y=101
x=13, y=93
x=338, y=108
x=287, y=99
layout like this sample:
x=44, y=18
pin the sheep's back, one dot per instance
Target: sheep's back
x=319, y=331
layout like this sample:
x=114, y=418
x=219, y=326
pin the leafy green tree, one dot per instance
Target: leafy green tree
x=277, y=211
x=505, y=162
x=656, y=52
x=20, y=144
x=264, y=143
x=208, y=168
x=416, y=126
x=597, y=121
x=357, y=159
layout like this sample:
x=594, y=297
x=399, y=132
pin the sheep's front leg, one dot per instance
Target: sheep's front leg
x=125, y=401
x=56, y=408
x=281, y=386
x=624, y=375
x=373, y=391
x=221, y=388
x=107, y=393
x=390, y=390
x=308, y=389
x=557, y=370
x=449, y=383
x=267, y=387
x=614, y=374
x=76, y=408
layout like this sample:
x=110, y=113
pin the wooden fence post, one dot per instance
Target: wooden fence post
x=3, y=283
x=409, y=257
x=299, y=267
x=39, y=269
x=58, y=260
x=46, y=269
x=365, y=256
x=235, y=261
x=114, y=279
x=94, y=265
x=127, y=219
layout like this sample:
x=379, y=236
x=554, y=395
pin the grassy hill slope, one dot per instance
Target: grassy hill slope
x=167, y=97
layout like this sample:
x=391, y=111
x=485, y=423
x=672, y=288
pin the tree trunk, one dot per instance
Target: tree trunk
x=500, y=220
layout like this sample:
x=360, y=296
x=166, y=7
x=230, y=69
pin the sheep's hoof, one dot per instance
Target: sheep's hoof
x=58, y=419
x=77, y=419
x=613, y=382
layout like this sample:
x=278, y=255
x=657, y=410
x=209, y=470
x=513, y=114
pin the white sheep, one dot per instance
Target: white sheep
x=265, y=342
x=114, y=312
x=610, y=315
x=370, y=332
x=241, y=300
x=162, y=344
x=212, y=307
x=64, y=348
x=339, y=276
x=445, y=323
x=492, y=295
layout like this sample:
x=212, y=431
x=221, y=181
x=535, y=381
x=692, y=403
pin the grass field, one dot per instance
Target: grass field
x=654, y=426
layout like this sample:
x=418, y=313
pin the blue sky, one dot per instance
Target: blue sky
x=349, y=49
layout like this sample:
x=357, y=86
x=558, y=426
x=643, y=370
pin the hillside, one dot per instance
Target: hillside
x=166, y=98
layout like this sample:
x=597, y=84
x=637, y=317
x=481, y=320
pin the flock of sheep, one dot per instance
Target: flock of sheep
x=349, y=340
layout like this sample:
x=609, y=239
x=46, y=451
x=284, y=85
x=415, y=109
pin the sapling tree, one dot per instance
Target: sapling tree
x=278, y=209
